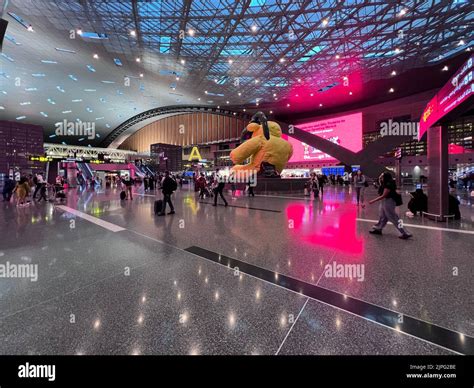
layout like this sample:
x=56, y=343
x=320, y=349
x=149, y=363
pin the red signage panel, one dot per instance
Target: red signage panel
x=459, y=88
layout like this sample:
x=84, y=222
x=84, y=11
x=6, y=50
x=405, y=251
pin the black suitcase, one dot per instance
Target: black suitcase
x=158, y=206
x=123, y=195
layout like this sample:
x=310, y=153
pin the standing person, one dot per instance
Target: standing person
x=151, y=183
x=128, y=182
x=313, y=185
x=321, y=183
x=219, y=187
x=146, y=183
x=360, y=183
x=8, y=188
x=201, y=185
x=388, y=195
x=250, y=190
x=346, y=179
x=168, y=186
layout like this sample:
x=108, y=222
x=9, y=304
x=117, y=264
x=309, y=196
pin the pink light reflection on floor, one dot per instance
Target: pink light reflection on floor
x=336, y=232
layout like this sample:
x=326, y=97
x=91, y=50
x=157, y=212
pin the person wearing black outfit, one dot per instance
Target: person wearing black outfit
x=37, y=184
x=146, y=183
x=251, y=193
x=387, y=194
x=418, y=202
x=168, y=186
x=453, y=206
x=219, y=188
x=321, y=181
x=128, y=182
x=42, y=192
x=8, y=187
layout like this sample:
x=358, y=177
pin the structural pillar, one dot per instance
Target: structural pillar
x=398, y=167
x=438, y=164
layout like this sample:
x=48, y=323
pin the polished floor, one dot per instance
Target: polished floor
x=250, y=278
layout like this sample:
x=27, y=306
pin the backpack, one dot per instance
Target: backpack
x=173, y=185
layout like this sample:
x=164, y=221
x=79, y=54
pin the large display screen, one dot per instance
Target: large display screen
x=459, y=88
x=345, y=131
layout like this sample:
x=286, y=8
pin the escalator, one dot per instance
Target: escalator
x=145, y=170
x=149, y=171
x=85, y=170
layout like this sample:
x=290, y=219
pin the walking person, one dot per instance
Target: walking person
x=22, y=189
x=42, y=193
x=219, y=187
x=360, y=183
x=38, y=182
x=168, y=185
x=390, y=199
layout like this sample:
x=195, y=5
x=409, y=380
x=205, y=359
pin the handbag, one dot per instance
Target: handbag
x=397, y=198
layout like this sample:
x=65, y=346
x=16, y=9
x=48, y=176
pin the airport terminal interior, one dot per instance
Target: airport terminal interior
x=236, y=177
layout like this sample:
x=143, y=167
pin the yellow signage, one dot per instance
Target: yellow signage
x=195, y=154
x=41, y=159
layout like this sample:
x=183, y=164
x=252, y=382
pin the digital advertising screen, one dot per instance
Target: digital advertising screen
x=459, y=88
x=345, y=131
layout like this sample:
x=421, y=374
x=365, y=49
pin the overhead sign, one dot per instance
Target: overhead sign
x=459, y=88
x=195, y=155
x=41, y=158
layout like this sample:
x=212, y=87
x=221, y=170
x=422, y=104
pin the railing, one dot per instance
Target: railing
x=437, y=217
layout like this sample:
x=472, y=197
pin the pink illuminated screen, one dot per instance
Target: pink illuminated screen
x=459, y=88
x=345, y=131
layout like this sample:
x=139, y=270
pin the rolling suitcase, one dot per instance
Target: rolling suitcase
x=158, y=206
x=123, y=195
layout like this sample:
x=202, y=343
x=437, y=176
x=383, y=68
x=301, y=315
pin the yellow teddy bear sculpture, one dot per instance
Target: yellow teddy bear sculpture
x=265, y=145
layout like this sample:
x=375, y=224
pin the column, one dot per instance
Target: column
x=438, y=164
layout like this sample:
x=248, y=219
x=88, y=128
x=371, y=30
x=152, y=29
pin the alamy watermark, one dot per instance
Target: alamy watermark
x=394, y=128
x=348, y=271
x=11, y=270
x=239, y=176
x=75, y=128
x=31, y=371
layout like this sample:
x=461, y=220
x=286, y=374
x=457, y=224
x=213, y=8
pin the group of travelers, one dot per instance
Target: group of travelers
x=214, y=187
x=34, y=185
x=149, y=182
x=315, y=185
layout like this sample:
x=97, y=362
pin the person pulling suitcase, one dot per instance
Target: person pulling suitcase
x=168, y=185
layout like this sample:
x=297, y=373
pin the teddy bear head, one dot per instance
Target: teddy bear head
x=257, y=129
